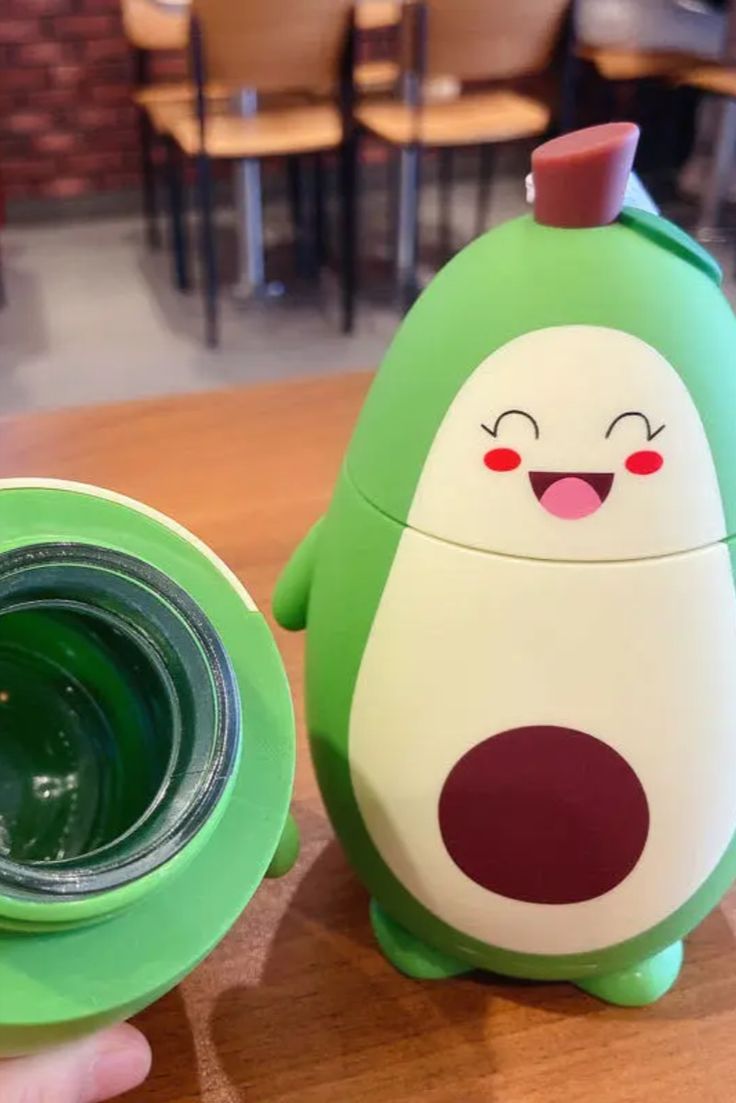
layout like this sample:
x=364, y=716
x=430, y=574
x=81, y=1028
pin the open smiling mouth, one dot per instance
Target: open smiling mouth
x=571, y=494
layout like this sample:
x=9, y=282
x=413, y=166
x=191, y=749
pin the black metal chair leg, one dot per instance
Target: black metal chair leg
x=408, y=225
x=177, y=217
x=445, y=166
x=392, y=204
x=208, y=252
x=320, y=225
x=485, y=175
x=295, y=173
x=348, y=229
x=149, y=190
x=147, y=138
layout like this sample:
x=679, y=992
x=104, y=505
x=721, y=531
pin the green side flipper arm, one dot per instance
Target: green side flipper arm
x=291, y=596
x=290, y=603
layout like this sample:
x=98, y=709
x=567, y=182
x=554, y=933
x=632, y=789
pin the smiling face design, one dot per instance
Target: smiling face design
x=574, y=442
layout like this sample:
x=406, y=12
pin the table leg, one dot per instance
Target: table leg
x=177, y=216
x=721, y=165
x=251, y=282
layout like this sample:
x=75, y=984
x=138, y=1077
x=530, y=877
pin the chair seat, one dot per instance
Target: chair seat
x=620, y=64
x=376, y=76
x=302, y=129
x=718, y=79
x=163, y=115
x=152, y=25
x=373, y=15
x=474, y=118
x=182, y=91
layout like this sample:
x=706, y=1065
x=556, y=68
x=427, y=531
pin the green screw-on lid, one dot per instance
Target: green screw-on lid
x=53, y=985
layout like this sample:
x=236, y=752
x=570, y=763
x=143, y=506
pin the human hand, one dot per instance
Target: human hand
x=88, y=1071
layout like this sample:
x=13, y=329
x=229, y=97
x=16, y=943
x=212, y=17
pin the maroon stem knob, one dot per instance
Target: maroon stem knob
x=580, y=178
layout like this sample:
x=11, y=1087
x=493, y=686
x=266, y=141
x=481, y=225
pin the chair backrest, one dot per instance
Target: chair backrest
x=491, y=39
x=273, y=45
x=149, y=25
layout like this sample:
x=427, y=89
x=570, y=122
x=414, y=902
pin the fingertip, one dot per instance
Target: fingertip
x=88, y=1070
x=122, y=1061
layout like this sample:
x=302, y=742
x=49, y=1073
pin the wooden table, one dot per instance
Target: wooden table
x=296, y=1005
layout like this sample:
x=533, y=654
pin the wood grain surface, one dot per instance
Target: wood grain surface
x=296, y=1005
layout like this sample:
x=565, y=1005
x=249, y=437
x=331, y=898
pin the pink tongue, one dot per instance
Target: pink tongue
x=570, y=498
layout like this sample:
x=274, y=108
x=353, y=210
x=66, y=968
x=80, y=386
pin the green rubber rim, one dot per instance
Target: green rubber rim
x=89, y=975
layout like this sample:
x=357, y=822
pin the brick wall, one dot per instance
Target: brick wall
x=67, y=125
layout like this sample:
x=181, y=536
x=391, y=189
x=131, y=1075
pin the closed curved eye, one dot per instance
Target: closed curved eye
x=651, y=433
x=493, y=429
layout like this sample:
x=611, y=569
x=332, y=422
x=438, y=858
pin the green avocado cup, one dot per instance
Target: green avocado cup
x=520, y=605
x=146, y=758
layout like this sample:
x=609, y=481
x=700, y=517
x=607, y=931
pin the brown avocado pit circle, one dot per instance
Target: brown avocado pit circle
x=544, y=814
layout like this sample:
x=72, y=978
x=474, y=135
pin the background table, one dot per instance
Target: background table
x=296, y=1005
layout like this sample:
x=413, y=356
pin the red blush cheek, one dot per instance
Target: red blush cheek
x=644, y=463
x=502, y=459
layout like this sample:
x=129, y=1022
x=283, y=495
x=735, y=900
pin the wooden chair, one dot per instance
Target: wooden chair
x=163, y=25
x=149, y=27
x=253, y=50
x=376, y=15
x=469, y=41
x=152, y=25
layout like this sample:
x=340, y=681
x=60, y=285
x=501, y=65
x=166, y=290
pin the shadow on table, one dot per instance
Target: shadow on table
x=174, y=1074
x=329, y=1011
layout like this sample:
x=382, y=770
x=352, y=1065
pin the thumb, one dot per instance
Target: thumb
x=88, y=1071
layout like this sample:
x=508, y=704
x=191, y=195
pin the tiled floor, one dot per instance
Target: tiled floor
x=92, y=317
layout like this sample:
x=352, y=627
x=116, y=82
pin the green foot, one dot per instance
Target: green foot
x=410, y=956
x=642, y=983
